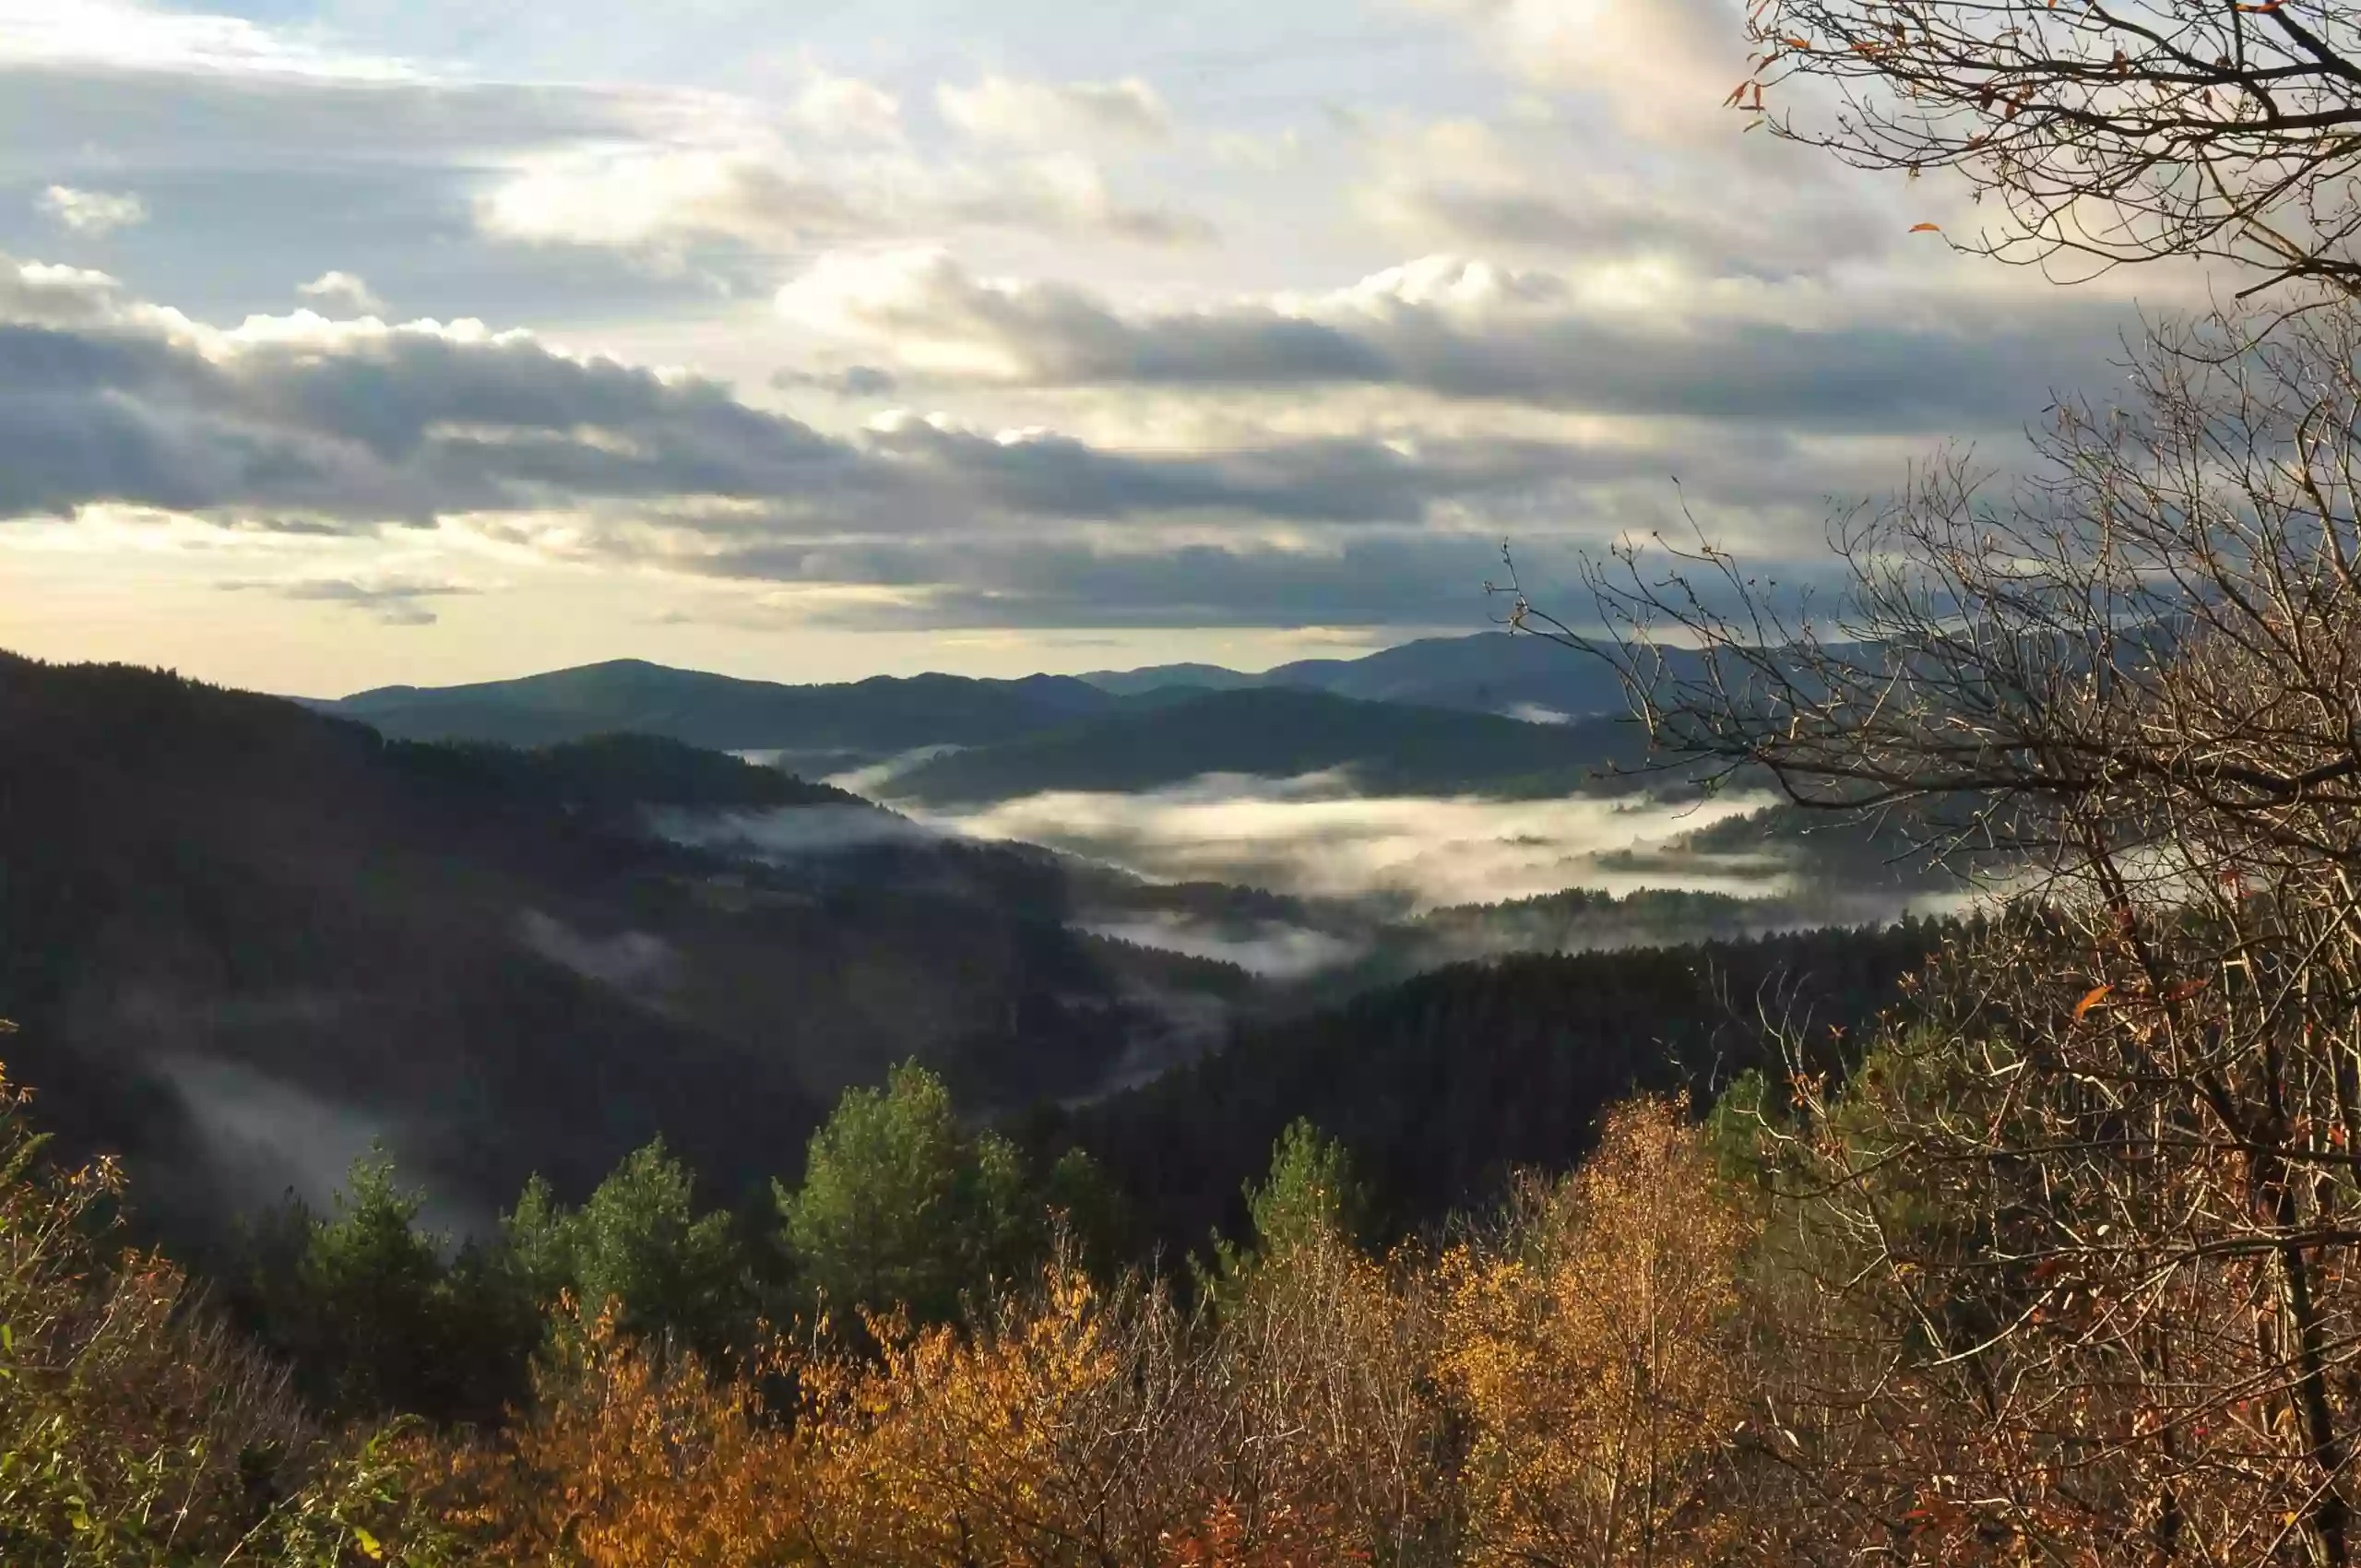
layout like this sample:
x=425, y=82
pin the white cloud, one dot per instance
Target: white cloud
x=129, y=35
x=43, y=294
x=93, y=213
x=648, y=196
x=1455, y=327
x=1055, y=114
x=343, y=289
x=847, y=107
x=1661, y=70
x=764, y=194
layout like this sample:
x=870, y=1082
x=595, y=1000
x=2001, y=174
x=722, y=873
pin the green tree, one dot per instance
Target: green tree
x=901, y=1207
x=1309, y=1196
x=639, y=1246
x=1311, y=1192
x=379, y=1316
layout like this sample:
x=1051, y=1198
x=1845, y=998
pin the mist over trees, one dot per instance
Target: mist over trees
x=2057, y=1261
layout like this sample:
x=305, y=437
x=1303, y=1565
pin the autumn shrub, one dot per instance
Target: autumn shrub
x=631, y=1457
x=134, y=1429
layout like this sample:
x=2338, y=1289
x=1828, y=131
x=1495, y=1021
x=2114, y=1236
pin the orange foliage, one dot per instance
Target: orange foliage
x=632, y=1459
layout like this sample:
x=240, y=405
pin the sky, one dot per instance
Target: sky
x=353, y=342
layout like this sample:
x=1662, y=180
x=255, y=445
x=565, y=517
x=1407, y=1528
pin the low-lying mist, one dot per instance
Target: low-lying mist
x=1268, y=949
x=262, y=1140
x=790, y=830
x=1311, y=836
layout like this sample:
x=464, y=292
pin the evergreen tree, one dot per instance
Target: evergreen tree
x=1310, y=1196
x=378, y=1316
x=900, y=1205
x=638, y=1247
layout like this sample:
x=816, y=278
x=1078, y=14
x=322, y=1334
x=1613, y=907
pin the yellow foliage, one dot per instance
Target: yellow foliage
x=1590, y=1348
x=1559, y=1393
x=1042, y=1437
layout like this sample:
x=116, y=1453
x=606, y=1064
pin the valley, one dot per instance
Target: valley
x=526, y=928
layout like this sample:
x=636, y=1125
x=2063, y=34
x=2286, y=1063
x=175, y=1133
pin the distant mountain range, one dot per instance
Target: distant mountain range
x=818, y=727
x=1523, y=677
x=1490, y=713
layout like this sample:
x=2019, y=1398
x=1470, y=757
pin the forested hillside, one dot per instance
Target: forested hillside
x=1442, y=1086
x=213, y=903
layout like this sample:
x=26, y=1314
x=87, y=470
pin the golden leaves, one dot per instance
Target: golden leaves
x=1592, y=1359
x=1309, y=1423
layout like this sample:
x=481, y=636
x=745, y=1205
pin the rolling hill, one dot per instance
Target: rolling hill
x=1389, y=748
x=1443, y=1084
x=838, y=725
x=1489, y=672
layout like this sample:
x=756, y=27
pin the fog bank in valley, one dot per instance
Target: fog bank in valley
x=1311, y=836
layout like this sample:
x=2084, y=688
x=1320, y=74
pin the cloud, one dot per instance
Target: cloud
x=852, y=381
x=1066, y=193
x=1661, y=70
x=1544, y=188
x=506, y=443
x=92, y=213
x=847, y=107
x=300, y=422
x=762, y=193
x=343, y=289
x=1035, y=114
x=1273, y=949
x=397, y=602
x=794, y=832
x=43, y=294
x=1468, y=328
x=125, y=35
x=634, y=962
x=642, y=196
x=1533, y=713
x=263, y=1136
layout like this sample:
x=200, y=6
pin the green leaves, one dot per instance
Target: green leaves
x=900, y=1205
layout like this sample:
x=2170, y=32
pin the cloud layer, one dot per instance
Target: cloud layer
x=1035, y=322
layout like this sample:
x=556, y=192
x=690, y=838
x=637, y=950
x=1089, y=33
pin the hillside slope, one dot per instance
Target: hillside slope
x=1443, y=1084
x=1485, y=673
x=243, y=938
